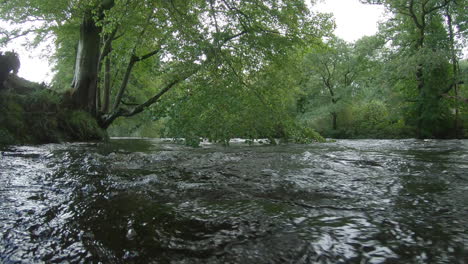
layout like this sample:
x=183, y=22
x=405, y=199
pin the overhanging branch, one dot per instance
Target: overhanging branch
x=106, y=120
x=134, y=59
x=450, y=87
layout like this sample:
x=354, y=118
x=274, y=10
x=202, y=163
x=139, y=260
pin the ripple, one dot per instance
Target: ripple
x=140, y=201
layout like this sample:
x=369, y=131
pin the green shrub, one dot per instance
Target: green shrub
x=6, y=138
x=37, y=117
x=80, y=125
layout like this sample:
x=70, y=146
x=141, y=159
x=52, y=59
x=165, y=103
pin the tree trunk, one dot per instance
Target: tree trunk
x=85, y=79
x=107, y=69
x=334, y=118
x=86, y=68
x=421, y=87
x=123, y=85
x=455, y=68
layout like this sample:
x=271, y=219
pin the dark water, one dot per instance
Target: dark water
x=149, y=201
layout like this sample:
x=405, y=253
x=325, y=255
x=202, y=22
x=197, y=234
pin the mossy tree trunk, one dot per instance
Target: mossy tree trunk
x=86, y=67
x=88, y=58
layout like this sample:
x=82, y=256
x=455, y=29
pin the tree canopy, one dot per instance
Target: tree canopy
x=225, y=68
x=126, y=55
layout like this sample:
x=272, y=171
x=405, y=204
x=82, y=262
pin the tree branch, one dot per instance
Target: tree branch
x=450, y=87
x=123, y=85
x=15, y=34
x=465, y=100
x=108, y=119
x=133, y=59
x=107, y=47
x=444, y=4
x=148, y=55
x=227, y=39
x=413, y=14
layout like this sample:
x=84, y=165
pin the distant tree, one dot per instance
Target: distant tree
x=332, y=70
x=422, y=33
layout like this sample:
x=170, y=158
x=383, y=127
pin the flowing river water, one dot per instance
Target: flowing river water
x=153, y=201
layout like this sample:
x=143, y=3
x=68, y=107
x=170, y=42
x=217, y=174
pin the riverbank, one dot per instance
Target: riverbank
x=32, y=114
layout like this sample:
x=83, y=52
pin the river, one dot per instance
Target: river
x=153, y=201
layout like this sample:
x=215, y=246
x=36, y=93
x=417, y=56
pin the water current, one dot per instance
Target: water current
x=153, y=201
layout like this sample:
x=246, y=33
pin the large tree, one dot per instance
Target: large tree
x=424, y=35
x=332, y=70
x=170, y=42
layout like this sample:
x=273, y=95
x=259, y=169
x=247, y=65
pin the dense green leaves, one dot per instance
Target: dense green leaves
x=213, y=58
x=220, y=69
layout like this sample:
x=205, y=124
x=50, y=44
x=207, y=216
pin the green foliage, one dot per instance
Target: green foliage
x=6, y=138
x=331, y=72
x=251, y=69
x=80, y=126
x=43, y=100
x=374, y=120
x=301, y=133
x=423, y=47
x=220, y=54
x=405, y=77
x=222, y=105
x=365, y=119
x=37, y=117
x=140, y=126
x=13, y=117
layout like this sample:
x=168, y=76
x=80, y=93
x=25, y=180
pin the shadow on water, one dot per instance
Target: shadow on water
x=151, y=201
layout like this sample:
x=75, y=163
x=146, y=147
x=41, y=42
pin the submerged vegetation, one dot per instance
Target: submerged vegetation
x=222, y=69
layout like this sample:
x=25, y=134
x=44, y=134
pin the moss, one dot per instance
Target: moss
x=81, y=126
x=45, y=127
x=43, y=100
x=12, y=120
x=13, y=117
x=37, y=117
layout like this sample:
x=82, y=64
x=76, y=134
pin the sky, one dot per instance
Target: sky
x=353, y=20
x=34, y=62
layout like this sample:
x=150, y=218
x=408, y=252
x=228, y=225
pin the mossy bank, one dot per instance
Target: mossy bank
x=32, y=114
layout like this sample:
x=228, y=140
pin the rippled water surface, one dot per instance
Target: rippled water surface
x=152, y=201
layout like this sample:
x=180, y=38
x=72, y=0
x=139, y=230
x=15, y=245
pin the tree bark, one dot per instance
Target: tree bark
x=107, y=120
x=107, y=86
x=455, y=68
x=85, y=79
x=334, y=120
x=86, y=67
x=123, y=85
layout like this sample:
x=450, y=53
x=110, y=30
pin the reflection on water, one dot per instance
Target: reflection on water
x=151, y=201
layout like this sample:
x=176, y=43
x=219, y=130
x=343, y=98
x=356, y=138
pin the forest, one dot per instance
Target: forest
x=223, y=69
